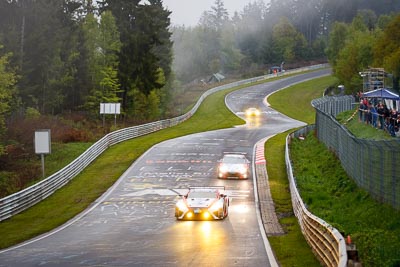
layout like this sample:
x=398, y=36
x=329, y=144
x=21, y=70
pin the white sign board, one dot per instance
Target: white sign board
x=110, y=108
x=42, y=142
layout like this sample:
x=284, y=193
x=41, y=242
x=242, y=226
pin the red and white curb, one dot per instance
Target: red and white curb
x=260, y=158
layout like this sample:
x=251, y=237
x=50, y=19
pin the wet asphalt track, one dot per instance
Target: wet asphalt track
x=133, y=224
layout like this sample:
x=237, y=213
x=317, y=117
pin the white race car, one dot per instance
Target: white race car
x=203, y=203
x=233, y=165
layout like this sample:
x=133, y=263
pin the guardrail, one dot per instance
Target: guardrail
x=326, y=242
x=19, y=201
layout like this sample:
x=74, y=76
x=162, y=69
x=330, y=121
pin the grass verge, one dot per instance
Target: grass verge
x=290, y=249
x=361, y=129
x=332, y=195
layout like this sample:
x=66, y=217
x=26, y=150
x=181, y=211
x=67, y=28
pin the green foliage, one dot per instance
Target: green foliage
x=69, y=59
x=366, y=41
x=139, y=105
x=32, y=113
x=337, y=40
x=146, y=47
x=47, y=53
x=359, y=24
x=8, y=183
x=383, y=21
x=387, y=48
x=110, y=86
x=102, y=46
x=318, y=47
x=153, y=105
x=109, y=40
x=355, y=54
x=8, y=80
x=288, y=42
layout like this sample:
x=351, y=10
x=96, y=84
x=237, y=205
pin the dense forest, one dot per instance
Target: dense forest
x=265, y=33
x=60, y=58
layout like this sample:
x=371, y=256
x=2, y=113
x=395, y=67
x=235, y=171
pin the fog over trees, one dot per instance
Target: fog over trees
x=65, y=56
x=263, y=34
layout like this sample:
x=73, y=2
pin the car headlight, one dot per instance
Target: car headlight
x=223, y=168
x=181, y=206
x=206, y=215
x=243, y=169
x=216, y=206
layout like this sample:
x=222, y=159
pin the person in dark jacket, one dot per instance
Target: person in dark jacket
x=361, y=111
x=393, y=127
x=386, y=116
x=381, y=115
x=373, y=115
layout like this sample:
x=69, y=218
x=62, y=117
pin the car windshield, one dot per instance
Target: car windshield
x=234, y=160
x=202, y=194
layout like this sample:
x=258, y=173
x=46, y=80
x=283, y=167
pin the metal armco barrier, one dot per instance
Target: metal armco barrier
x=326, y=242
x=19, y=201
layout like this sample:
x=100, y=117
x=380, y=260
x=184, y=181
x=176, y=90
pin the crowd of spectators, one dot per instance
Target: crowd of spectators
x=379, y=116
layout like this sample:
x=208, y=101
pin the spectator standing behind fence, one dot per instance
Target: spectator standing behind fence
x=381, y=114
x=393, y=128
x=386, y=116
x=368, y=114
x=361, y=111
x=365, y=105
x=373, y=115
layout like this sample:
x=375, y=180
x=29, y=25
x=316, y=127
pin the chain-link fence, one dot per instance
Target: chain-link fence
x=374, y=165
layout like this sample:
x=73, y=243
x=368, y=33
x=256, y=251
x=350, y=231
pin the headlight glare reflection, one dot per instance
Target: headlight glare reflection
x=181, y=206
x=216, y=206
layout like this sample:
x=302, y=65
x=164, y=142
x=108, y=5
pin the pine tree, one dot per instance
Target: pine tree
x=146, y=47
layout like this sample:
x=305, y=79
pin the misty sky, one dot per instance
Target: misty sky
x=188, y=12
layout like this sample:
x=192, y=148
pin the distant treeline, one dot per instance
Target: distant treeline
x=60, y=56
x=265, y=34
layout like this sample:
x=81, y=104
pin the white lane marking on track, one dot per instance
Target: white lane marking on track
x=173, y=192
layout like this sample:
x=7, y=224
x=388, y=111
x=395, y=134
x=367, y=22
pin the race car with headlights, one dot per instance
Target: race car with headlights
x=203, y=203
x=252, y=112
x=234, y=165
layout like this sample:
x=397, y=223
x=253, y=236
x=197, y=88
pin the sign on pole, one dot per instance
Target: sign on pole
x=42, y=142
x=110, y=108
x=42, y=145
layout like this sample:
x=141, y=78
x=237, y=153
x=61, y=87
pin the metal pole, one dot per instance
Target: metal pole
x=42, y=156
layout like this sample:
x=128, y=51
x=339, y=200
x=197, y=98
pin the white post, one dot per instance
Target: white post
x=42, y=145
